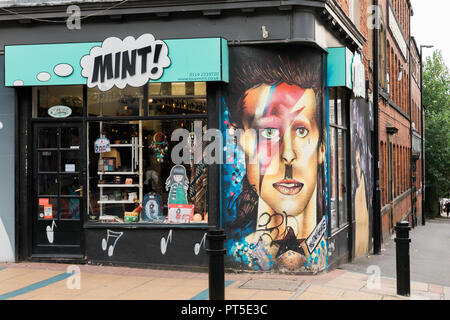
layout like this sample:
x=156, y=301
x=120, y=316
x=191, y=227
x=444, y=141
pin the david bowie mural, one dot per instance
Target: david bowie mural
x=274, y=186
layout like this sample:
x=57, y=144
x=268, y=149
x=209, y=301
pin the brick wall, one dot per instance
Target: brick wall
x=394, y=111
x=344, y=5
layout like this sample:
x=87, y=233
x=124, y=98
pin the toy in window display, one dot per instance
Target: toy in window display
x=160, y=146
x=178, y=184
x=152, y=207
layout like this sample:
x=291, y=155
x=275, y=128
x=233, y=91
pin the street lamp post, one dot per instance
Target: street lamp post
x=422, y=131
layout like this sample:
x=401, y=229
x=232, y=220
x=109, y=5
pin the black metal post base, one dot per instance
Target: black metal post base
x=216, y=252
x=402, y=241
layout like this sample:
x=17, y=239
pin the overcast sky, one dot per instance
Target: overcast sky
x=431, y=25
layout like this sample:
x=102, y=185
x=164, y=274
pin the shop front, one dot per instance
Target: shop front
x=130, y=148
x=115, y=173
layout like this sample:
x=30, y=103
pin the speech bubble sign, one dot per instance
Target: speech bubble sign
x=125, y=62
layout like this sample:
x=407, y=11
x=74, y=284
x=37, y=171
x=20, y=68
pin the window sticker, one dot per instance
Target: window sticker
x=70, y=167
x=48, y=211
x=43, y=201
x=102, y=145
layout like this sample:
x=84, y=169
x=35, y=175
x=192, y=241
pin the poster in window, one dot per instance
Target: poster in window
x=181, y=213
x=48, y=211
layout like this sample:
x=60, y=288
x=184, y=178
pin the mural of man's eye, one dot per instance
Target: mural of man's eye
x=302, y=132
x=270, y=133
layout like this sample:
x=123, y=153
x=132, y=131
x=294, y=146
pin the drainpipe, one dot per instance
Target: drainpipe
x=413, y=207
x=422, y=109
x=377, y=230
x=422, y=133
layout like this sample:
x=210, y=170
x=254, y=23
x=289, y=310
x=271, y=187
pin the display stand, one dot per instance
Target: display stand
x=136, y=173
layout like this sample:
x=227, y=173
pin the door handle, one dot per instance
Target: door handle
x=80, y=190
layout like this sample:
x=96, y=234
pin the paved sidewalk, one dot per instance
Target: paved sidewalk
x=429, y=254
x=51, y=281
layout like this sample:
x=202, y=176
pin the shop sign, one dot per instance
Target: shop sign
x=102, y=145
x=125, y=62
x=358, y=77
x=117, y=62
x=339, y=67
x=59, y=111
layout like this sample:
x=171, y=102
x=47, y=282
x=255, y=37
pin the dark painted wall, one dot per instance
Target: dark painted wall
x=175, y=247
x=239, y=27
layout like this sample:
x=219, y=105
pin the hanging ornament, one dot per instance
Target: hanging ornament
x=160, y=146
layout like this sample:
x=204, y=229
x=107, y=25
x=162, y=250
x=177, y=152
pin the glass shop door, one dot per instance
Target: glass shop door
x=58, y=180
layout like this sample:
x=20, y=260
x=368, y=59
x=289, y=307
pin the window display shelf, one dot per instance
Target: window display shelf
x=118, y=185
x=121, y=164
x=120, y=145
x=118, y=173
x=115, y=201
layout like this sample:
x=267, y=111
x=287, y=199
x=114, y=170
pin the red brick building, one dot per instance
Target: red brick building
x=400, y=119
x=417, y=116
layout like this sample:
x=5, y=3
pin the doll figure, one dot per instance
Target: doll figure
x=178, y=183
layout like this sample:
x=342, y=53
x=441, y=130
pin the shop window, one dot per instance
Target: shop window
x=116, y=102
x=338, y=135
x=146, y=175
x=176, y=98
x=333, y=179
x=342, y=151
x=58, y=101
x=382, y=56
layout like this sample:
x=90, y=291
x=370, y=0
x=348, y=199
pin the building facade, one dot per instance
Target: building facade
x=153, y=123
x=417, y=125
x=399, y=117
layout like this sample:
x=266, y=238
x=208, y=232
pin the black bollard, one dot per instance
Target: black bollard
x=402, y=241
x=216, y=252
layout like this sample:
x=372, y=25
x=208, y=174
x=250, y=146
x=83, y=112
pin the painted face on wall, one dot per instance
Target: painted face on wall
x=281, y=143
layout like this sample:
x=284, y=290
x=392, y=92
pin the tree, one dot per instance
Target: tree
x=436, y=99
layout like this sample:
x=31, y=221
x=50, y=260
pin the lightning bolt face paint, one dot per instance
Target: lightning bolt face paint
x=282, y=157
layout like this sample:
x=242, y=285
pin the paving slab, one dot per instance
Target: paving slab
x=239, y=294
x=358, y=295
x=446, y=293
x=314, y=296
x=325, y=291
x=272, y=284
x=271, y=295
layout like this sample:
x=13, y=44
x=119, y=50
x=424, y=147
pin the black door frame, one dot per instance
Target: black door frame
x=31, y=212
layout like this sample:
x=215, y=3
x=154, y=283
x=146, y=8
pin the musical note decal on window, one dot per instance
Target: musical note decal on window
x=197, y=246
x=113, y=235
x=165, y=242
x=50, y=233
